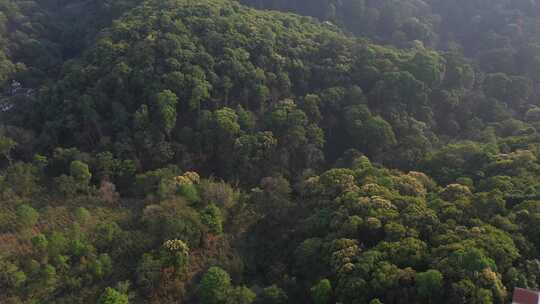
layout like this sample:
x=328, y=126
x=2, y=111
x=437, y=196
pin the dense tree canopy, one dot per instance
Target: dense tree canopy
x=207, y=151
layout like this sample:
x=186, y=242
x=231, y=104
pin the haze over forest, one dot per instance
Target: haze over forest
x=269, y=151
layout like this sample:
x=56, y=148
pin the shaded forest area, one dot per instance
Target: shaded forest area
x=221, y=152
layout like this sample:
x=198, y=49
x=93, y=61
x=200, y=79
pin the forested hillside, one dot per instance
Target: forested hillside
x=209, y=152
x=36, y=37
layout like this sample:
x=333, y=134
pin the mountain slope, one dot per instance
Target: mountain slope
x=207, y=152
x=37, y=37
x=207, y=56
